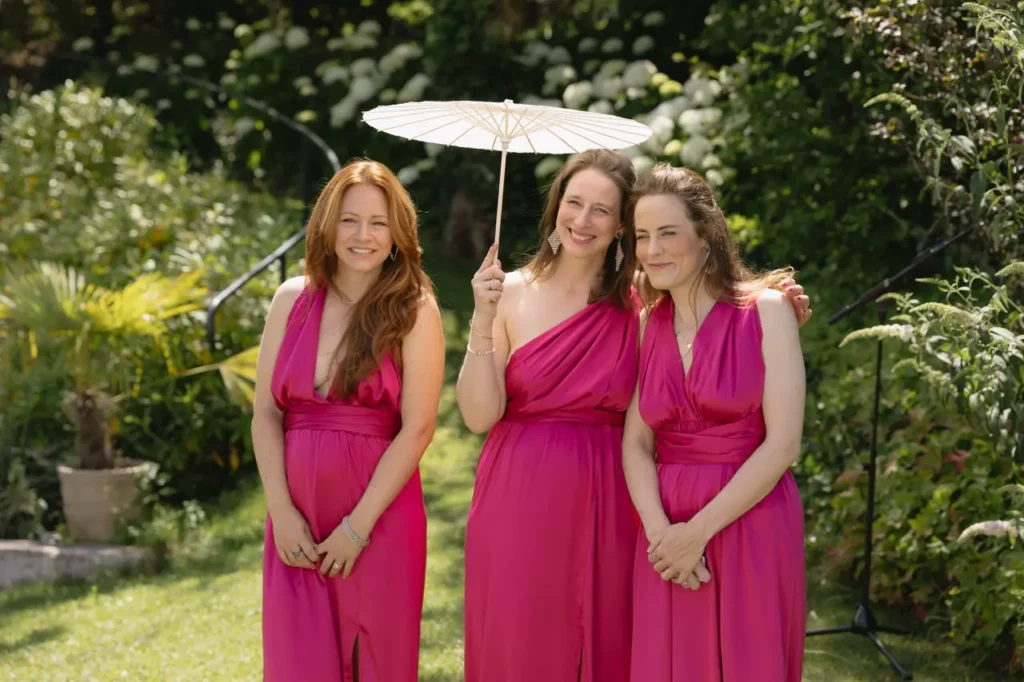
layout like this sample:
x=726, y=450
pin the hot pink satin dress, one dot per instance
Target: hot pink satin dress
x=551, y=528
x=748, y=623
x=312, y=623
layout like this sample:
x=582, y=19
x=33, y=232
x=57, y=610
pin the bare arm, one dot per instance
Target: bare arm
x=422, y=377
x=480, y=390
x=267, y=430
x=640, y=469
x=783, y=405
x=292, y=538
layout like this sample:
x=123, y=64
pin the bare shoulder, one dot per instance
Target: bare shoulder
x=289, y=291
x=516, y=280
x=776, y=312
x=428, y=308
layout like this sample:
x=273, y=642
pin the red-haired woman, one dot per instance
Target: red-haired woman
x=348, y=383
x=709, y=438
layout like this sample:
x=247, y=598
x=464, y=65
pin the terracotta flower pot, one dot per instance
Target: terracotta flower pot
x=94, y=499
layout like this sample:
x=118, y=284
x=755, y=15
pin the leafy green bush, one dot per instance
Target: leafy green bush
x=949, y=503
x=82, y=186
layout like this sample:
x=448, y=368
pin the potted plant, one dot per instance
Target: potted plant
x=105, y=339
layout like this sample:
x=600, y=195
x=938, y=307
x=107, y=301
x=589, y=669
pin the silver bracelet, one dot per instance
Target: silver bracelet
x=352, y=534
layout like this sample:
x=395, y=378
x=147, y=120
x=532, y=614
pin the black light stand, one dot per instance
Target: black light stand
x=864, y=622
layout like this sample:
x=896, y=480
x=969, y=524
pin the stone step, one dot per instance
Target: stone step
x=28, y=561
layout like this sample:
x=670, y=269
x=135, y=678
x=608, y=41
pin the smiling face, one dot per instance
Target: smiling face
x=363, y=240
x=588, y=214
x=668, y=246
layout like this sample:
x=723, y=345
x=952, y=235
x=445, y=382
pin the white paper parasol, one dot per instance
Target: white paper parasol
x=509, y=127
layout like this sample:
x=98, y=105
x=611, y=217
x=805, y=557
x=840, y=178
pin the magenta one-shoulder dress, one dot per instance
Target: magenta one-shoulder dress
x=551, y=529
x=748, y=623
x=312, y=623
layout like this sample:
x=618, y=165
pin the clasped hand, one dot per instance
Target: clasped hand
x=676, y=552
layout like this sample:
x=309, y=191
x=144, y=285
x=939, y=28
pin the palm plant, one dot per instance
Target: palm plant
x=105, y=338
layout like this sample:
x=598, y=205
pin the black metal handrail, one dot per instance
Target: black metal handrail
x=279, y=254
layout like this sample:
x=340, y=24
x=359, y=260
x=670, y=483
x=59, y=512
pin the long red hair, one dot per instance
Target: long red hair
x=386, y=314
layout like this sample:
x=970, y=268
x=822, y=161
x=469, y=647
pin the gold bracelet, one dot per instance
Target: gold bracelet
x=474, y=331
x=479, y=352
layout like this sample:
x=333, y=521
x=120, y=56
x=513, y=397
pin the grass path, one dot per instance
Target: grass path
x=200, y=620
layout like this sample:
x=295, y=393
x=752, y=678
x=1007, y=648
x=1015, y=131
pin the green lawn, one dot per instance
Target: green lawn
x=200, y=619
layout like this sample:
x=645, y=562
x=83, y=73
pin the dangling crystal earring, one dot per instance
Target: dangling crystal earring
x=619, y=255
x=555, y=241
x=394, y=254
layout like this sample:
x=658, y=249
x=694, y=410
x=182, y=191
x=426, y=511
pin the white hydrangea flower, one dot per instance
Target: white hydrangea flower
x=587, y=45
x=297, y=37
x=408, y=175
x=334, y=74
x=663, y=130
x=193, y=61
x=265, y=43
x=193, y=24
x=673, y=148
x=578, y=94
x=601, y=106
x=426, y=164
x=363, y=67
x=607, y=87
x=433, y=149
x=711, y=161
x=711, y=115
x=613, y=67
x=636, y=93
x=163, y=104
x=714, y=178
x=243, y=126
x=643, y=45
x=145, y=62
x=414, y=89
x=398, y=57
x=226, y=23
x=548, y=167
x=369, y=27
x=388, y=96
x=82, y=44
x=639, y=73
x=542, y=101
x=342, y=112
x=692, y=122
x=557, y=77
x=695, y=149
x=534, y=53
x=559, y=55
x=654, y=19
x=358, y=41
x=336, y=44
x=642, y=164
x=302, y=81
x=243, y=30
x=362, y=88
x=611, y=45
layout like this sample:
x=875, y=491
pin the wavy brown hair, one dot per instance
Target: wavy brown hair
x=616, y=286
x=723, y=272
x=386, y=314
